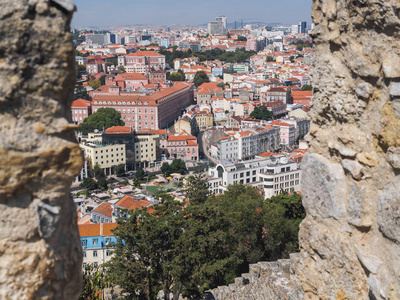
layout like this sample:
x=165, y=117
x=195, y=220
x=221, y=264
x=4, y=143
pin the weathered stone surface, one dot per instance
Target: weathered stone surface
x=354, y=254
x=326, y=191
x=389, y=210
x=40, y=253
x=265, y=281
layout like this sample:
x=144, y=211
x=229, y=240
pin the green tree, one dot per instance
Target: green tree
x=88, y=184
x=166, y=169
x=221, y=85
x=306, y=87
x=143, y=257
x=100, y=177
x=122, y=68
x=178, y=166
x=119, y=170
x=94, y=84
x=283, y=215
x=200, y=78
x=94, y=282
x=139, y=173
x=261, y=113
x=177, y=76
x=81, y=93
x=196, y=189
x=102, y=80
x=270, y=58
x=242, y=38
x=103, y=118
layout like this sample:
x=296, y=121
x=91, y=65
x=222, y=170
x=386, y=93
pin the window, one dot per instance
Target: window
x=108, y=252
x=248, y=173
x=95, y=253
x=84, y=265
x=282, y=169
x=83, y=243
x=94, y=242
x=84, y=254
x=95, y=264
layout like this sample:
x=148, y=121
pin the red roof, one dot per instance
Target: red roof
x=98, y=229
x=129, y=202
x=81, y=103
x=104, y=209
x=118, y=130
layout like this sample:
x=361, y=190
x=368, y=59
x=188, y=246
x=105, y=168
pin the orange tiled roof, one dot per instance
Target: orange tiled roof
x=98, y=229
x=118, y=130
x=104, y=209
x=81, y=103
x=129, y=202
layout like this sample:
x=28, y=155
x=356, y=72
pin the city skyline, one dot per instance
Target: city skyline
x=188, y=12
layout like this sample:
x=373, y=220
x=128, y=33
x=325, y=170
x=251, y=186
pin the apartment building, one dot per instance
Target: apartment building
x=270, y=175
x=80, y=109
x=106, y=156
x=148, y=112
x=96, y=240
x=147, y=149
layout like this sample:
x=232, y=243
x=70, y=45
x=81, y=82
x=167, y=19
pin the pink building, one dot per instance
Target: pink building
x=80, y=109
x=149, y=59
x=96, y=66
x=183, y=146
x=148, y=112
x=287, y=133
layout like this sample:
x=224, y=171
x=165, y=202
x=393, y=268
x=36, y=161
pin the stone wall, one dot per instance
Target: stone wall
x=351, y=189
x=40, y=253
x=265, y=281
x=350, y=238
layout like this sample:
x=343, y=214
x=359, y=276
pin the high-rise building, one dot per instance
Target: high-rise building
x=295, y=29
x=95, y=38
x=302, y=27
x=217, y=27
x=223, y=20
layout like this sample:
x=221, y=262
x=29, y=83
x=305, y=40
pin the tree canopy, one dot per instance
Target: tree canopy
x=261, y=113
x=103, y=118
x=188, y=249
x=81, y=93
x=177, y=76
x=177, y=166
x=306, y=87
x=200, y=78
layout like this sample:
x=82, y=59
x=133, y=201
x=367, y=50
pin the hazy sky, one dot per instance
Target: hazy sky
x=190, y=12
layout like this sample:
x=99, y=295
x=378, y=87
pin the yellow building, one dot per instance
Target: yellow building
x=204, y=119
x=106, y=156
x=147, y=147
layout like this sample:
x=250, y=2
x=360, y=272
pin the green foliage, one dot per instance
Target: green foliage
x=119, y=170
x=200, y=78
x=100, y=177
x=177, y=76
x=139, y=173
x=165, y=169
x=306, y=87
x=197, y=189
x=94, y=281
x=188, y=250
x=261, y=113
x=242, y=38
x=283, y=215
x=239, y=56
x=94, y=84
x=178, y=166
x=122, y=68
x=81, y=93
x=270, y=58
x=221, y=85
x=102, y=119
x=88, y=183
x=102, y=80
x=143, y=258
